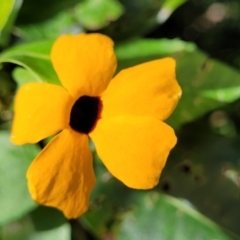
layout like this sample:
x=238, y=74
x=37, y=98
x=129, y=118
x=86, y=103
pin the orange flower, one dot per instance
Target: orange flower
x=125, y=121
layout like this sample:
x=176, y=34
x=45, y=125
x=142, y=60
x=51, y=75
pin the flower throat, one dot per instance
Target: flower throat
x=84, y=114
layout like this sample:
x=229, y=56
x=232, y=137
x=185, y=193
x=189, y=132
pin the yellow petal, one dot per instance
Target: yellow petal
x=40, y=110
x=134, y=149
x=84, y=63
x=148, y=89
x=62, y=174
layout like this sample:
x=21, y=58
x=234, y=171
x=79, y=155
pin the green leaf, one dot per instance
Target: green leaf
x=5, y=10
x=156, y=216
x=61, y=233
x=44, y=223
x=53, y=218
x=185, y=176
x=97, y=14
x=15, y=200
x=50, y=29
x=172, y=4
x=22, y=76
x=24, y=230
x=8, y=27
x=140, y=50
x=196, y=73
x=225, y=95
x=203, y=167
x=138, y=18
x=35, y=57
x=168, y=7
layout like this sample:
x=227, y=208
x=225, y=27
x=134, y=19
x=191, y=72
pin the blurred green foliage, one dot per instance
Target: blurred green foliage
x=198, y=194
x=6, y=8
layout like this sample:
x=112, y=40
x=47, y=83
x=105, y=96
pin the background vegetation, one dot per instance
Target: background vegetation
x=198, y=196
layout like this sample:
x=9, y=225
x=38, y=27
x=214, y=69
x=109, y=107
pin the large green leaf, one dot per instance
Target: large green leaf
x=204, y=168
x=144, y=215
x=26, y=232
x=35, y=57
x=25, y=229
x=15, y=200
x=5, y=10
x=198, y=75
x=155, y=216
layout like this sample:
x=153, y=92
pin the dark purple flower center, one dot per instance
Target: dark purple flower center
x=84, y=114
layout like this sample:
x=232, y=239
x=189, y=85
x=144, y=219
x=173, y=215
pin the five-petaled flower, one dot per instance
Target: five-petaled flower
x=123, y=117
